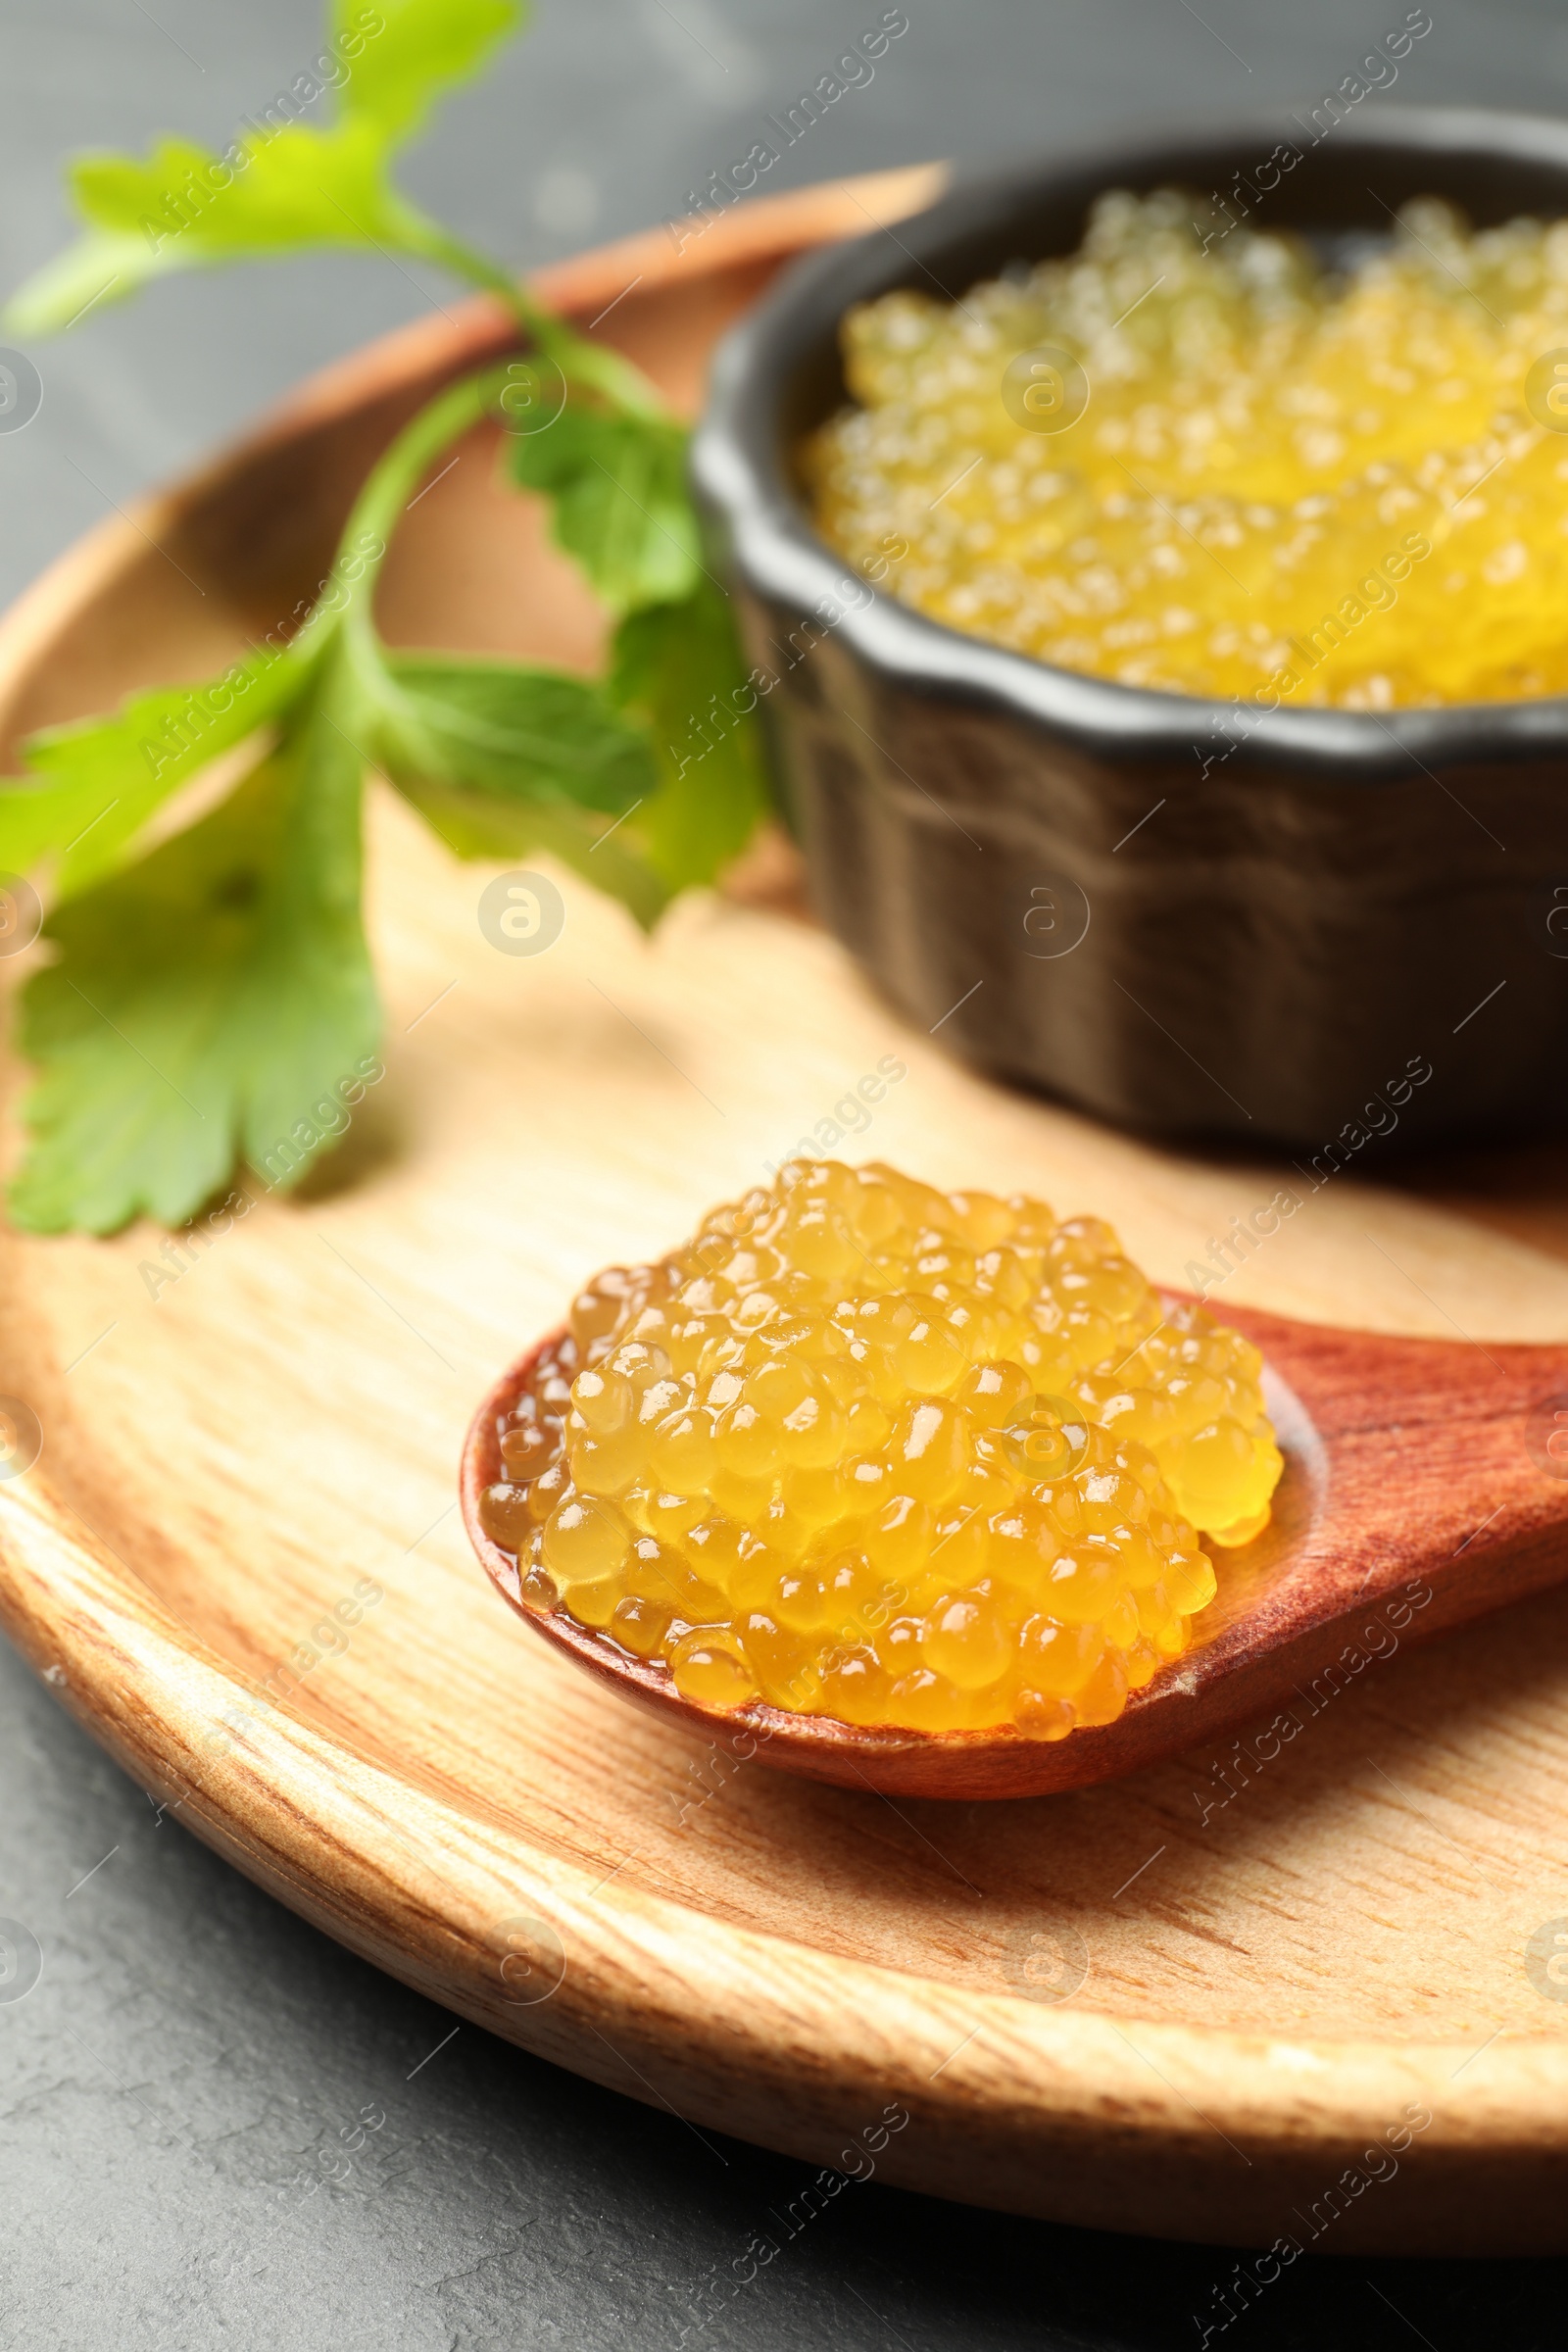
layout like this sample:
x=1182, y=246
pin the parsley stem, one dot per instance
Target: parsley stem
x=379, y=510
x=400, y=470
x=595, y=366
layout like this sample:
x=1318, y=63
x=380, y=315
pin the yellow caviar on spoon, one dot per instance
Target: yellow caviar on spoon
x=865, y=1449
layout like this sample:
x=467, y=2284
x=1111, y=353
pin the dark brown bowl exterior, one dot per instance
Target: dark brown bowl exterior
x=1299, y=927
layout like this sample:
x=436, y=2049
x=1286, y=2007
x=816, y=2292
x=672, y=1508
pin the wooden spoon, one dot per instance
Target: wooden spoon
x=1426, y=1481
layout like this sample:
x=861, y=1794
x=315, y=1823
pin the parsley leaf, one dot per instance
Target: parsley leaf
x=475, y=824
x=622, y=509
x=283, y=184
x=417, y=48
x=217, y=997
x=506, y=761
x=679, y=667
x=503, y=728
x=209, y=1001
x=91, y=787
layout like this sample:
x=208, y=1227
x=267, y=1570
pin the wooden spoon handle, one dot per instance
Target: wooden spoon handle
x=1427, y=1465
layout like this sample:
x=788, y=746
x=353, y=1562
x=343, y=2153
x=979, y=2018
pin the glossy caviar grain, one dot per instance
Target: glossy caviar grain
x=865, y=1449
x=1286, y=485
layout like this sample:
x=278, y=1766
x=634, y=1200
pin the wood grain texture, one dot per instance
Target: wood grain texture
x=1185, y=2002
x=1393, y=1450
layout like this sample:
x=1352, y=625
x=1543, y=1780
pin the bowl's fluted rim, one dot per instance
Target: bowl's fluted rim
x=740, y=471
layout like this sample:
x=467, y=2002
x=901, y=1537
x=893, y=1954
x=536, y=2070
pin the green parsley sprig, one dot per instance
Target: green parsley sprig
x=209, y=990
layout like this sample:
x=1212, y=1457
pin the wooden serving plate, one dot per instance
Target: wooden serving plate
x=1194, y=2001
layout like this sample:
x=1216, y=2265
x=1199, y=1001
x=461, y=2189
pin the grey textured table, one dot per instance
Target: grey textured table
x=168, y=2087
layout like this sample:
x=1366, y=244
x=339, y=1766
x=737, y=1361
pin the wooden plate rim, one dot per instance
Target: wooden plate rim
x=266, y=1796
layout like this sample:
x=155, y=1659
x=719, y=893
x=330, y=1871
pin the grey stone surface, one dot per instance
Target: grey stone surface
x=182, y=2089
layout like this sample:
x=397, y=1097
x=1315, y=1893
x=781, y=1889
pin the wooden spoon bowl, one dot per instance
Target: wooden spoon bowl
x=1421, y=1488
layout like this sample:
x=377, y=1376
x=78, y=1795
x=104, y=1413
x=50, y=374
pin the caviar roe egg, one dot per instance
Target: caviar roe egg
x=1271, y=480
x=904, y=1457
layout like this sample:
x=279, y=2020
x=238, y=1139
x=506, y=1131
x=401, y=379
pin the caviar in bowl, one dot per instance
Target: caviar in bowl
x=1160, y=458
x=1198, y=905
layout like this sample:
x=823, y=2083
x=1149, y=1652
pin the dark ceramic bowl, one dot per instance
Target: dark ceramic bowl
x=1064, y=879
